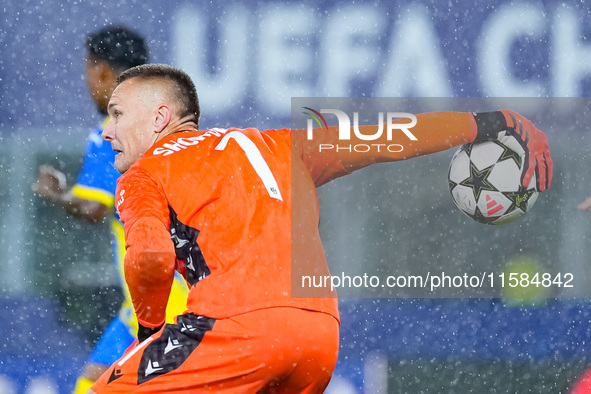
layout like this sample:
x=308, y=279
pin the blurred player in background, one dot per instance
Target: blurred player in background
x=583, y=384
x=585, y=205
x=241, y=207
x=109, y=51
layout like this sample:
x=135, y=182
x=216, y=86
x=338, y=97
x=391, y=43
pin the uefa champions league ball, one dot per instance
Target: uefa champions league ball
x=485, y=181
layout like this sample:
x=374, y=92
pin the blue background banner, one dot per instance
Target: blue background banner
x=249, y=58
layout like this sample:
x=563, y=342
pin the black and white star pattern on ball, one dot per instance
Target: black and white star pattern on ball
x=509, y=154
x=452, y=184
x=520, y=198
x=478, y=180
x=467, y=148
x=479, y=217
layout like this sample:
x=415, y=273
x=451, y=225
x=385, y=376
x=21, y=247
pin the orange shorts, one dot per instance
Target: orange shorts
x=274, y=350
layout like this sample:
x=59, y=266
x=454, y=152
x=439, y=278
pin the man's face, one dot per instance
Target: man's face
x=130, y=128
x=100, y=80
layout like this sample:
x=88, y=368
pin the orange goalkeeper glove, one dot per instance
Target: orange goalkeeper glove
x=501, y=125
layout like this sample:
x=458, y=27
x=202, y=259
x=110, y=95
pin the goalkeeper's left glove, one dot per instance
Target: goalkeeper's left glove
x=500, y=125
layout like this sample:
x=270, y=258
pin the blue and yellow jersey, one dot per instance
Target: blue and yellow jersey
x=97, y=181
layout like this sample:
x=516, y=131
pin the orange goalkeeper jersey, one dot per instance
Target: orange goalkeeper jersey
x=226, y=196
x=242, y=209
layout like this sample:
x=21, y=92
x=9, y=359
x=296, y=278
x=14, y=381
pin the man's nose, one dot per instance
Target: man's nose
x=108, y=132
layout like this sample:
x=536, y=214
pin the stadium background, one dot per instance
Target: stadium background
x=248, y=59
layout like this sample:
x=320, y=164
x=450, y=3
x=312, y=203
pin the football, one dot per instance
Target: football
x=485, y=181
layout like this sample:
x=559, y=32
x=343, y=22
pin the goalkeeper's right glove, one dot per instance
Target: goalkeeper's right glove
x=500, y=125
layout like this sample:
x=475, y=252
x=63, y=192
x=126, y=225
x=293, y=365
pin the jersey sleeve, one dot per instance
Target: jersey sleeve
x=97, y=180
x=326, y=157
x=323, y=166
x=150, y=257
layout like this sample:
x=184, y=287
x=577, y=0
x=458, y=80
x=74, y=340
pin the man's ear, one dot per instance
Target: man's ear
x=162, y=118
